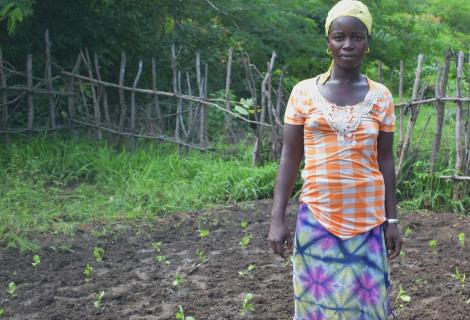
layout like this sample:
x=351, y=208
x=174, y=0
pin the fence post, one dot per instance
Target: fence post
x=29, y=84
x=49, y=81
x=459, y=152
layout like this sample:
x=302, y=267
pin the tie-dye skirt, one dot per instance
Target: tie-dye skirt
x=339, y=279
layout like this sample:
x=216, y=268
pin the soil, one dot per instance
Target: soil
x=138, y=287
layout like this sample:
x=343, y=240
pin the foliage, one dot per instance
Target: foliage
x=179, y=315
x=11, y=290
x=99, y=300
x=88, y=272
x=36, y=262
x=98, y=253
x=247, y=304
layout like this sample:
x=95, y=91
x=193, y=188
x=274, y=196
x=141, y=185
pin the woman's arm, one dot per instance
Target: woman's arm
x=393, y=239
x=291, y=156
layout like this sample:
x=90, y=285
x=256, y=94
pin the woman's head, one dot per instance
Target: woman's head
x=348, y=28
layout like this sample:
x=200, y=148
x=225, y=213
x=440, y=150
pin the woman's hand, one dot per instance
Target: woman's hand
x=279, y=237
x=393, y=240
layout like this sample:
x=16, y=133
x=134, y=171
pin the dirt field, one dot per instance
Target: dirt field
x=138, y=287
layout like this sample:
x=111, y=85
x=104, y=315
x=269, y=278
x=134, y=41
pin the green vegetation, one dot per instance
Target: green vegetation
x=432, y=244
x=247, y=304
x=181, y=316
x=462, y=240
x=2, y=312
x=98, y=253
x=99, y=300
x=248, y=271
x=403, y=296
x=54, y=184
x=36, y=262
x=203, y=233
x=88, y=272
x=11, y=290
x=178, y=280
x=245, y=240
x=201, y=255
x=460, y=277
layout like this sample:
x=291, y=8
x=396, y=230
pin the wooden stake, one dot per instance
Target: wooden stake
x=3, y=79
x=107, y=116
x=122, y=99
x=178, y=100
x=133, y=106
x=440, y=110
x=228, y=116
x=96, y=106
x=413, y=117
x=459, y=152
x=29, y=81
x=49, y=81
x=156, y=101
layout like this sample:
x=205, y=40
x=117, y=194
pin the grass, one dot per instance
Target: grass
x=54, y=184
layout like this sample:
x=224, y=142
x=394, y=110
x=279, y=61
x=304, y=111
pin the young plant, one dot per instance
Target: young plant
x=244, y=224
x=99, y=300
x=178, y=280
x=180, y=314
x=98, y=253
x=88, y=272
x=161, y=259
x=2, y=312
x=402, y=254
x=460, y=277
x=12, y=289
x=433, y=244
x=203, y=233
x=201, y=255
x=247, y=305
x=408, y=232
x=402, y=295
x=245, y=241
x=462, y=239
x=36, y=262
x=247, y=271
x=157, y=246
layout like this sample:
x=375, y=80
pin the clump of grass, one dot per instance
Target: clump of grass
x=88, y=181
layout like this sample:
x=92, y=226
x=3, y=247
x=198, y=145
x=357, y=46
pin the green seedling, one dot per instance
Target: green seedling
x=289, y=261
x=98, y=253
x=403, y=296
x=180, y=314
x=88, y=272
x=433, y=244
x=460, y=277
x=203, y=233
x=201, y=255
x=36, y=262
x=2, y=312
x=462, y=239
x=247, y=305
x=12, y=289
x=247, y=271
x=161, y=259
x=178, y=280
x=244, y=224
x=99, y=300
x=408, y=232
x=245, y=241
x=157, y=246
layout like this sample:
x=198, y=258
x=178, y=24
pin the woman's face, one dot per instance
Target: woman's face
x=348, y=42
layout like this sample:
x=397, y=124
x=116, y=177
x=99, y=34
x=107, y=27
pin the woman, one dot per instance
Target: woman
x=346, y=230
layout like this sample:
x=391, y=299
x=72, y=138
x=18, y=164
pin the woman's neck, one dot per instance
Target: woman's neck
x=339, y=74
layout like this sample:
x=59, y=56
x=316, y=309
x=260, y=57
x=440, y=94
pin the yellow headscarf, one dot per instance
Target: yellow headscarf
x=346, y=8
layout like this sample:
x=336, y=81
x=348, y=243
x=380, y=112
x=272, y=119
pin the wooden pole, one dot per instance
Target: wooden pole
x=402, y=110
x=380, y=72
x=122, y=99
x=413, y=117
x=200, y=86
x=440, y=105
x=459, y=152
x=156, y=101
x=228, y=117
x=49, y=81
x=133, y=106
x=178, y=101
x=71, y=98
x=3, y=79
x=29, y=81
x=107, y=116
x=96, y=106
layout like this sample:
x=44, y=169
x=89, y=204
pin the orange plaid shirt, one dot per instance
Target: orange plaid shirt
x=342, y=184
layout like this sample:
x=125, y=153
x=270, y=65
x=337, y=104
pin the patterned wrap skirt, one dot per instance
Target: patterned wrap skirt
x=337, y=279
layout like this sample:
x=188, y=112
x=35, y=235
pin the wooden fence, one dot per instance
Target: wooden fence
x=80, y=98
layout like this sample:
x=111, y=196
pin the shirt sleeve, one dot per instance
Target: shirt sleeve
x=388, y=122
x=294, y=111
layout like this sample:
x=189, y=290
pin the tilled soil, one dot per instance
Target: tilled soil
x=136, y=286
